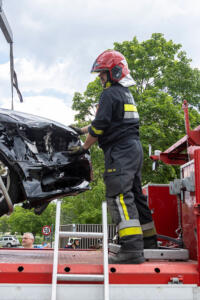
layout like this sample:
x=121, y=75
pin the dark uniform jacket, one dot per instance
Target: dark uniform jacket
x=117, y=118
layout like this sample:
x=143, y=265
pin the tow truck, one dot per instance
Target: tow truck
x=171, y=272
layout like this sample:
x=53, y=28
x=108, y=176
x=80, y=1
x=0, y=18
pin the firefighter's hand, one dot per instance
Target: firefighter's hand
x=76, y=150
x=77, y=129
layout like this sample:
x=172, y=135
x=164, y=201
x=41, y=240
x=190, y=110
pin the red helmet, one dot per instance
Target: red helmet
x=114, y=62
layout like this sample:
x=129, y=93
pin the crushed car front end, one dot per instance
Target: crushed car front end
x=35, y=161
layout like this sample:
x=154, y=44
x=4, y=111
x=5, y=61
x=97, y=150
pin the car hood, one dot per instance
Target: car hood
x=36, y=149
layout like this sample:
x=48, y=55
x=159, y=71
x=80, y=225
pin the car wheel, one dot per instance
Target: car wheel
x=11, y=182
x=8, y=245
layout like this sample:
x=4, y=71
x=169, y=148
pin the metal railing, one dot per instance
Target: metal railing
x=87, y=242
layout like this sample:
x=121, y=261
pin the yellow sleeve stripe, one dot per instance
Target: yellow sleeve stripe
x=96, y=131
x=121, y=198
x=130, y=107
x=130, y=231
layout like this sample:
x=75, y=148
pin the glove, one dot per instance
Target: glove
x=77, y=129
x=76, y=150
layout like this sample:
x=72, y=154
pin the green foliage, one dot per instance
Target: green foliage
x=4, y=225
x=84, y=208
x=22, y=220
x=85, y=105
x=162, y=64
x=38, y=239
x=164, y=78
x=162, y=124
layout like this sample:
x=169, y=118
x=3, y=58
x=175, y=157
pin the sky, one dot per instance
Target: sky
x=56, y=43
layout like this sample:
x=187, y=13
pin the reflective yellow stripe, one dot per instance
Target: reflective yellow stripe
x=111, y=170
x=130, y=107
x=149, y=232
x=121, y=197
x=130, y=231
x=96, y=131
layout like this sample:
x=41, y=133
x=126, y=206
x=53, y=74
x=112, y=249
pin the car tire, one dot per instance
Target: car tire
x=12, y=184
x=8, y=245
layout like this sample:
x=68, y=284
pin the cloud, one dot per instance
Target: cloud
x=47, y=107
x=79, y=30
x=39, y=77
x=56, y=43
x=35, y=81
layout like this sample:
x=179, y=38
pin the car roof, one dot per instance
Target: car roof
x=8, y=236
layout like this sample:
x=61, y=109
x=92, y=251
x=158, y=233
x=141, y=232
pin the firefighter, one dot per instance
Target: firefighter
x=116, y=127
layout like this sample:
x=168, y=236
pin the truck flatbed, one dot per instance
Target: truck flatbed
x=27, y=274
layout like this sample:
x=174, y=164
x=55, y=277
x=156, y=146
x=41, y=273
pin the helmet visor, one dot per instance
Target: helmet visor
x=96, y=67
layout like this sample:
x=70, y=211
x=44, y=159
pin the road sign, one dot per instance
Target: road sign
x=46, y=230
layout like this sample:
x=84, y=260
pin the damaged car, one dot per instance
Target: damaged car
x=35, y=166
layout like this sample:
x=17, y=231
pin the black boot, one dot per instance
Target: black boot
x=150, y=242
x=125, y=257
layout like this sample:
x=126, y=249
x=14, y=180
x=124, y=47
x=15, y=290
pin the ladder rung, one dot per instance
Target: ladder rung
x=81, y=234
x=80, y=277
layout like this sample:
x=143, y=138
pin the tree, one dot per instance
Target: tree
x=162, y=64
x=85, y=104
x=86, y=207
x=4, y=225
x=163, y=77
x=22, y=220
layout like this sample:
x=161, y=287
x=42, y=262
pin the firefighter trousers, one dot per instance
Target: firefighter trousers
x=126, y=203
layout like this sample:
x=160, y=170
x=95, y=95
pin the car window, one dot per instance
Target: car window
x=10, y=239
x=5, y=239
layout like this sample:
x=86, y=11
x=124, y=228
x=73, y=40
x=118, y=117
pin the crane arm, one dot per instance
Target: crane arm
x=4, y=25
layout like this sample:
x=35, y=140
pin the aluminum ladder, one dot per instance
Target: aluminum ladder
x=81, y=277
